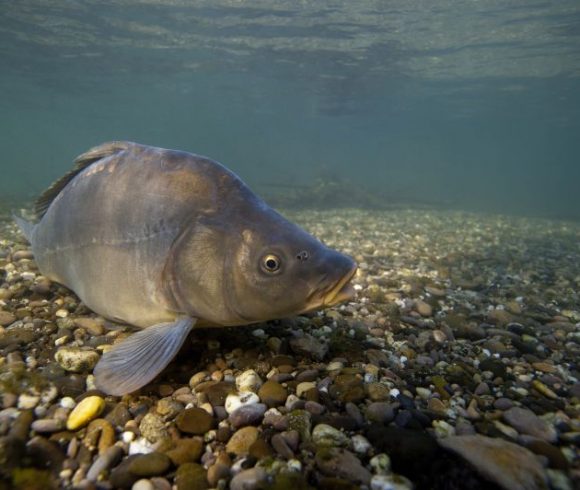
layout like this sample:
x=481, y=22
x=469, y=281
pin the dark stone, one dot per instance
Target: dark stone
x=555, y=457
x=121, y=477
x=191, y=476
x=497, y=368
x=45, y=454
x=152, y=464
x=416, y=455
x=119, y=416
x=194, y=421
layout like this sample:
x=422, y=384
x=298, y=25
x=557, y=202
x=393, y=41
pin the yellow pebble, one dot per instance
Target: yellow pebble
x=88, y=409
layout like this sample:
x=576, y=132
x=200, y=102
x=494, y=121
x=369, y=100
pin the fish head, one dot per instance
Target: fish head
x=258, y=269
x=281, y=270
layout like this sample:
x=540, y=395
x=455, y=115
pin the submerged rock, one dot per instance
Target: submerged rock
x=509, y=465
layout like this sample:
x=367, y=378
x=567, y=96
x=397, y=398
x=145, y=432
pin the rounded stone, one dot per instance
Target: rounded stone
x=194, y=421
x=186, y=451
x=248, y=381
x=152, y=464
x=76, y=360
x=247, y=415
x=241, y=440
x=423, y=308
x=527, y=422
x=48, y=425
x=325, y=435
x=143, y=484
x=152, y=427
x=233, y=401
x=249, y=479
x=191, y=476
x=273, y=394
x=303, y=387
x=88, y=409
x=6, y=318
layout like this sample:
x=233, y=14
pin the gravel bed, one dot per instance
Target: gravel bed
x=455, y=368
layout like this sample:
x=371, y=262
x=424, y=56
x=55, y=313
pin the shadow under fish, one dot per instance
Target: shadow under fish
x=167, y=241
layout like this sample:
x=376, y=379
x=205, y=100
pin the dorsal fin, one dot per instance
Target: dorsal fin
x=81, y=162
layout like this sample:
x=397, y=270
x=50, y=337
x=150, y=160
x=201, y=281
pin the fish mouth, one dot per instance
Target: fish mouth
x=341, y=291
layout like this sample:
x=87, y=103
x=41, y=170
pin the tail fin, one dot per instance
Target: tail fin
x=26, y=227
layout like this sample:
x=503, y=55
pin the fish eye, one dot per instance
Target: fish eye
x=271, y=263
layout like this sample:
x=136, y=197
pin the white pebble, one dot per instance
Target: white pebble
x=62, y=313
x=128, y=436
x=90, y=382
x=143, y=484
x=394, y=393
x=381, y=464
x=259, y=332
x=140, y=446
x=234, y=402
x=67, y=402
x=294, y=465
x=248, y=381
x=360, y=444
x=334, y=366
x=26, y=402
x=61, y=341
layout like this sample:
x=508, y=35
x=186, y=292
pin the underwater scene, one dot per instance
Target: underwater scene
x=257, y=244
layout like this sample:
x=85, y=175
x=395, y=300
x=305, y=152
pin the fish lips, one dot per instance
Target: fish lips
x=333, y=293
x=342, y=291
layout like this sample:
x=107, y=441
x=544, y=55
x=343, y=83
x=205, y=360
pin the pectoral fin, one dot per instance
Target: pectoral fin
x=135, y=361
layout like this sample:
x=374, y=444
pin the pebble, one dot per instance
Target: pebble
x=381, y=464
x=308, y=346
x=341, y=463
x=507, y=464
x=251, y=479
x=143, y=484
x=152, y=464
x=248, y=381
x=104, y=462
x=360, y=444
x=6, y=318
x=195, y=421
x=424, y=309
x=527, y=422
x=26, y=402
x=152, y=427
x=95, y=326
x=381, y=412
x=324, y=435
x=186, y=450
x=241, y=441
x=247, y=415
x=191, y=476
x=281, y=446
x=233, y=401
x=48, y=425
x=273, y=394
x=304, y=387
x=76, y=359
x=88, y=409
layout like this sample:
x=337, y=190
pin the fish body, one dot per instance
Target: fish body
x=165, y=240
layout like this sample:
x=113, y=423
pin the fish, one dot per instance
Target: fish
x=166, y=241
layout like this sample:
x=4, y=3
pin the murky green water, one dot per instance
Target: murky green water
x=470, y=105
